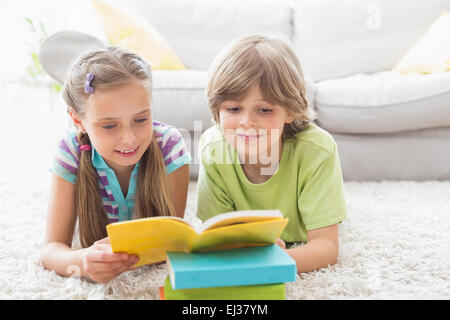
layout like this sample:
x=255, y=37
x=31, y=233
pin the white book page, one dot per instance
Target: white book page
x=238, y=217
x=156, y=218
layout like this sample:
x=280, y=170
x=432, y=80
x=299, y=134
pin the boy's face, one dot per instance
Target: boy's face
x=119, y=124
x=253, y=126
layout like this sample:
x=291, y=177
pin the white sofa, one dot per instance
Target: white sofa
x=387, y=126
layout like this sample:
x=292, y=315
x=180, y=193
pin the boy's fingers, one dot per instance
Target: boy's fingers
x=281, y=243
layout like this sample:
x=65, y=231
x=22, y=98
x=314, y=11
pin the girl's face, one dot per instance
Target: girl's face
x=253, y=126
x=119, y=124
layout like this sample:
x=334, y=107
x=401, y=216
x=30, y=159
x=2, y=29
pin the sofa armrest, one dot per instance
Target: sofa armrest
x=59, y=51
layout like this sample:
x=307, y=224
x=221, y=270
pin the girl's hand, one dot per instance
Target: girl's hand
x=281, y=243
x=102, y=265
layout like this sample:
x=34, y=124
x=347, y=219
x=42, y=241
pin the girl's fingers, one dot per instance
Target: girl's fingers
x=105, y=272
x=103, y=265
x=99, y=267
x=103, y=241
x=103, y=247
x=121, y=269
x=101, y=256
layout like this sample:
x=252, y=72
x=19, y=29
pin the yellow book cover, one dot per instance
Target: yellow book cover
x=151, y=238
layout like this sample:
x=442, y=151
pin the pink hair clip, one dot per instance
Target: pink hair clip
x=85, y=147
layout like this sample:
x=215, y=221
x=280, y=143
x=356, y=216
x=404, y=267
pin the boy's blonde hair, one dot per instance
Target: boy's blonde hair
x=267, y=61
x=113, y=67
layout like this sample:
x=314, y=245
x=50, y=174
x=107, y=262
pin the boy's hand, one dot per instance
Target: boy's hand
x=281, y=243
x=102, y=265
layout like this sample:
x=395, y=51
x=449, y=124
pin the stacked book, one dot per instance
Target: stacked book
x=251, y=273
x=230, y=256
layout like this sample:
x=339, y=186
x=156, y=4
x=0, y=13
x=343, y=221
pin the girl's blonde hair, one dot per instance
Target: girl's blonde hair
x=113, y=67
x=267, y=61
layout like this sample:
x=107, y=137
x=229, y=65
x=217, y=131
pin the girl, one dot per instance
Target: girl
x=265, y=152
x=118, y=165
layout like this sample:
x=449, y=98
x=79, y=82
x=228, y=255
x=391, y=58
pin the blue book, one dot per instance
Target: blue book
x=233, y=267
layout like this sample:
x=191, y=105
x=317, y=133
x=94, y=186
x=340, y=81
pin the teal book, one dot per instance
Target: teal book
x=257, y=292
x=232, y=267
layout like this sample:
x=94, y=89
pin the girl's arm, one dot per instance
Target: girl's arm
x=321, y=250
x=97, y=262
x=57, y=254
x=179, y=182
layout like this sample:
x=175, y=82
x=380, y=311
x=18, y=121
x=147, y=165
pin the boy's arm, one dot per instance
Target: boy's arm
x=322, y=206
x=321, y=250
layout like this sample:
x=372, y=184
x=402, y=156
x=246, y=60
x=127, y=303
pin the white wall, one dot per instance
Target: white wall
x=17, y=39
x=30, y=120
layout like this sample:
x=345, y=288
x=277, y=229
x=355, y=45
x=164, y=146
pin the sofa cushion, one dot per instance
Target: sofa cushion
x=384, y=102
x=125, y=28
x=179, y=99
x=339, y=38
x=431, y=52
x=198, y=29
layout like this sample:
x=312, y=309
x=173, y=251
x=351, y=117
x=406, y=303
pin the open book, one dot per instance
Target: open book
x=151, y=238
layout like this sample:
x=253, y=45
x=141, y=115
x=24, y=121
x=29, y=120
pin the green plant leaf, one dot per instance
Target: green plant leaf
x=31, y=24
x=56, y=87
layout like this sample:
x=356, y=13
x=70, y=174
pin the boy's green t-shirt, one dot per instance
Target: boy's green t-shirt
x=307, y=187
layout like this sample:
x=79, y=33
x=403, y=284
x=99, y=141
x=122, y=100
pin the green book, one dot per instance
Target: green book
x=253, y=292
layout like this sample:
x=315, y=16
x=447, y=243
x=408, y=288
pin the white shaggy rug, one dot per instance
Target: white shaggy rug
x=395, y=244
